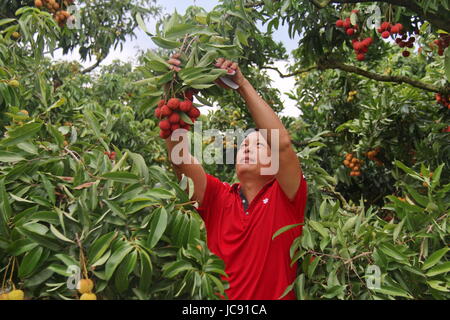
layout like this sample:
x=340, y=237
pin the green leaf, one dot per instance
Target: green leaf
x=57, y=104
x=116, y=258
x=166, y=43
x=284, y=229
x=447, y=63
x=391, y=251
x=397, y=229
x=394, y=291
x=442, y=268
x=349, y=224
x=160, y=193
x=59, y=235
x=172, y=269
x=30, y=262
x=124, y=177
x=123, y=271
x=6, y=156
x=319, y=228
x=434, y=258
x=146, y=270
x=158, y=225
x=141, y=24
x=20, y=134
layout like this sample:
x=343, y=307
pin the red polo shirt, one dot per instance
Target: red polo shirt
x=258, y=267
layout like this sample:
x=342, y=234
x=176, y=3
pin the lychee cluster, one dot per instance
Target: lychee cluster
x=443, y=100
x=15, y=294
x=353, y=163
x=361, y=47
x=443, y=42
x=372, y=155
x=60, y=15
x=446, y=129
x=403, y=41
x=349, y=28
x=170, y=115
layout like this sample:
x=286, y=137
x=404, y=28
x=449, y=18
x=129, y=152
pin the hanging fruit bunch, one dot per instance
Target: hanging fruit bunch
x=354, y=164
x=360, y=45
x=443, y=100
x=372, y=155
x=171, y=90
x=58, y=8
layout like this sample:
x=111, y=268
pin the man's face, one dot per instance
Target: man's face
x=254, y=153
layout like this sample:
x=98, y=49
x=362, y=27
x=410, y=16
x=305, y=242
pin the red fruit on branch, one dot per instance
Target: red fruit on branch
x=402, y=44
x=350, y=31
x=406, y=54
x=395, y=29
x=174, y=127
x=173, y=103
x=385, y=26
x=347, y=23
x=112, y=155
x=164, y=134
x=361, y=57
x=368, y=41
x=174, y=118
x=194, y=113
x=189, y=94
x=164, y=125
x=166, y=111
x=161, y=103
x=186, y=126
x=158, y=112
x=339, y=23
x=386, y=34
x=186, y=106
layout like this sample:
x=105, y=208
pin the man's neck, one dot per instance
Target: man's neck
x=251, y=187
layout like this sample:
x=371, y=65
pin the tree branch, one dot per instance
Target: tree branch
x=333, y=64
x=95, y=65
x=290, y=74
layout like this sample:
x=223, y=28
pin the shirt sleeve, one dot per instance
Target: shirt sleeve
x=214, y=190
x=299, y=201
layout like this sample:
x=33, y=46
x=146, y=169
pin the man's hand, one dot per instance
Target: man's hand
x=232, y=67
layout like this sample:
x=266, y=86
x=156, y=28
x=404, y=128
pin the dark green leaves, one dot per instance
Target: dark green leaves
x=158, y=225
x=21, y=134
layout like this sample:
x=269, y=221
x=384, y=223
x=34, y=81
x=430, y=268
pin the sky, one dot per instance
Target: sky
x=143, y=42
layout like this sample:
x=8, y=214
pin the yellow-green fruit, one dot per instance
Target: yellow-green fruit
x=4, y=296
x=16, y=35
x=13, y=83
x=16, y=295
x=85, y=286
x=88, y=296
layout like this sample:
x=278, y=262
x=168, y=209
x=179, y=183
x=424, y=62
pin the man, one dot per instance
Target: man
x=241, y=219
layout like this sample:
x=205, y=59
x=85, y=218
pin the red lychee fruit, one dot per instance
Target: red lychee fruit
x=164, y=125
x=174, y=118
x=194, y=113
x=350, y=31
x=385, y=34
x=158, y=112
x=406, y=53
x=166, y=111
x=173, y=103
x=339, y=23
x=361, y=57
x=164, y=134
x=161, y=103
x=185, y=106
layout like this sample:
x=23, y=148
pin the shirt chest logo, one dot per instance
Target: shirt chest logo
x=265, y=200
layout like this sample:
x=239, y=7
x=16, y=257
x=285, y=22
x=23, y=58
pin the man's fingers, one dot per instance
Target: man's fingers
x=219, y=62
x=226, y=64
x=176, y=55
x=172, y=67
x=234, y=66
x=174, y=62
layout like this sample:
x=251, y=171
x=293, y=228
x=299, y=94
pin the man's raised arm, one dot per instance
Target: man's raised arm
x=289, y=173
